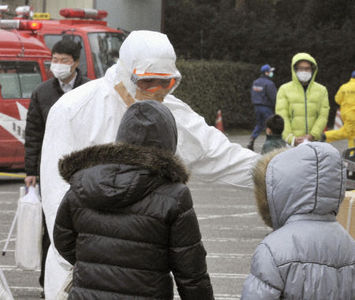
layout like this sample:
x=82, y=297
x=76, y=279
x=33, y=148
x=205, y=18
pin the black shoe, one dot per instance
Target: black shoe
x=251, y=144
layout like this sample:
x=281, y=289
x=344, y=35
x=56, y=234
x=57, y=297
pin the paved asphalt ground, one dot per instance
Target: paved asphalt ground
x=230, y=226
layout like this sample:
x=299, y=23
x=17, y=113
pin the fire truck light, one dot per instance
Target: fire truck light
x=23, y=10
x=32, y=25
x=4, y=8
x=85, y=13
x=9, y=24
x=20, y=24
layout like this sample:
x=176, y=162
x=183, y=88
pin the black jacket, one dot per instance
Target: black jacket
x=42, y=99
x=128, y=221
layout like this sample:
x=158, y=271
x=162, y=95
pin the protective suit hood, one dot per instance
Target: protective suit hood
x=149, y=54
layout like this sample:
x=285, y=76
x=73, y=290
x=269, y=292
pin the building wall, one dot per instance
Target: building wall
x=53, y=7
x=37, y=5
x=132, y=14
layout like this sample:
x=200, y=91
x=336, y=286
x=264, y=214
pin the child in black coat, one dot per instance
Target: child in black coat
x=127, y=223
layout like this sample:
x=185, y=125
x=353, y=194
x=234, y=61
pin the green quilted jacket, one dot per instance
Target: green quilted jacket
x=304, y=111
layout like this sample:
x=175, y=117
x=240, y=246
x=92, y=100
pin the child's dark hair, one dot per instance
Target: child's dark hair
x=67, y=46
x=276, y=124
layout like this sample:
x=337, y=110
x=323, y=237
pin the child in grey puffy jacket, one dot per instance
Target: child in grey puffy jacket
x=309, y=255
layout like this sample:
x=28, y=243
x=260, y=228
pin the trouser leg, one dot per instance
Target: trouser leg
x=261, y=115
x=260, y=122
x=45, y=245
x=251, y=143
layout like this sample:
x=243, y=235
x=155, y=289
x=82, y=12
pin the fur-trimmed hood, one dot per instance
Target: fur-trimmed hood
x=306, y=180
x=121, y=172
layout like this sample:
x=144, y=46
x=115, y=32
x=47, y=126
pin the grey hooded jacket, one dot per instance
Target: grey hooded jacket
x=309, y=255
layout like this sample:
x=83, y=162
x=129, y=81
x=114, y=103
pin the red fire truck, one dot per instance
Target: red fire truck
x=100, y=43
x=25, y=61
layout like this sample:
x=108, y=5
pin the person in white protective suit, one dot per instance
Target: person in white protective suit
x=91, y=114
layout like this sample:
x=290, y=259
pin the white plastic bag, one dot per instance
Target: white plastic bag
x=29, y=231
x=5, y=293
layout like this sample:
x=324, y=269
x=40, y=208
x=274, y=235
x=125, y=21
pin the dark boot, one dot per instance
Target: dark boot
x=251, y=144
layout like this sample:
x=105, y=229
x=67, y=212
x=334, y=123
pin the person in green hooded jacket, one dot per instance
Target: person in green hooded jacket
x=302, y=102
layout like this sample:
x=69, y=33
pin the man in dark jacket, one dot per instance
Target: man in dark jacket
x=64, y=66
x=263, y=97
x=127, y=220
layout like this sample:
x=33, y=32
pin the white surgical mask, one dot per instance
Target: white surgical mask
x=61, y=71
x=271, y=74
x=304, y=76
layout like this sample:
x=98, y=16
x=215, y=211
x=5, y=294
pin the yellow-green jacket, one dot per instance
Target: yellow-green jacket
x=304, y=111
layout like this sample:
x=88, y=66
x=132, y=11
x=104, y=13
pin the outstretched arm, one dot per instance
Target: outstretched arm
x=207, y=152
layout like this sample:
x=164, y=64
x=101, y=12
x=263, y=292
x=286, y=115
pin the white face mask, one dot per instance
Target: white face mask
x=61, y=71
x=304, y=76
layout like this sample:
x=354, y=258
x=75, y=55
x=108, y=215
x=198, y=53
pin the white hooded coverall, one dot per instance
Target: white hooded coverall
x=91, y=114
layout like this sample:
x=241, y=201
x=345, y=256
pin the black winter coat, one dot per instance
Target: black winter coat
x=127, y=222
x=42, y=99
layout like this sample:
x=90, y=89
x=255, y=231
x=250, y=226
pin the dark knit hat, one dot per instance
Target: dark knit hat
x=148, y=123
